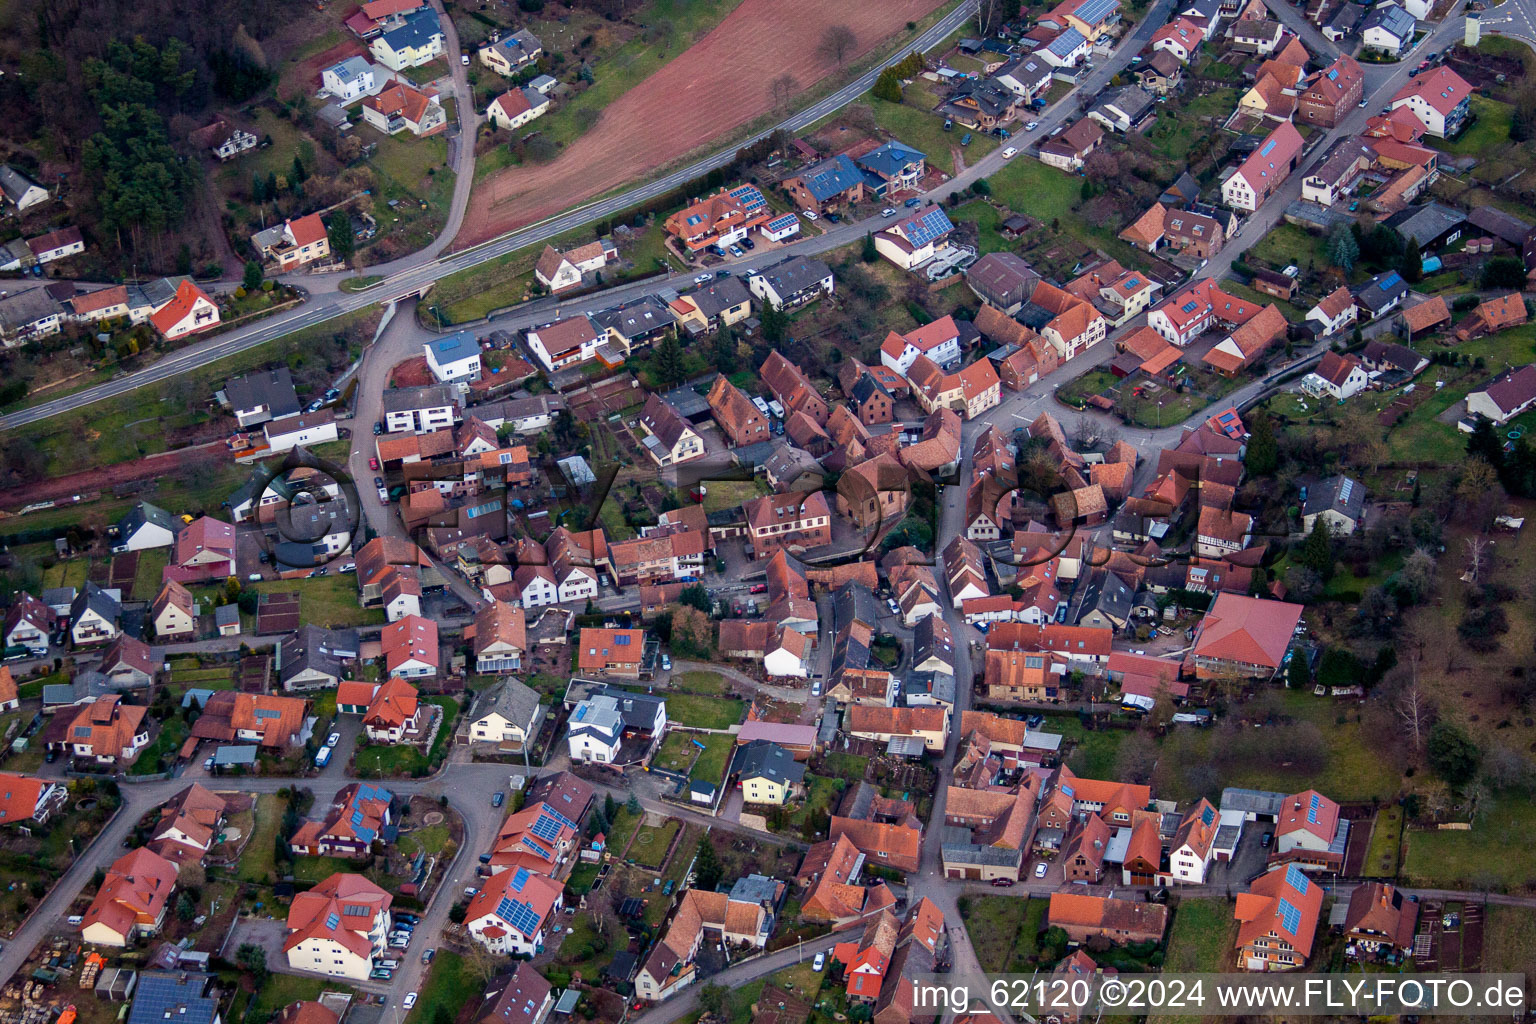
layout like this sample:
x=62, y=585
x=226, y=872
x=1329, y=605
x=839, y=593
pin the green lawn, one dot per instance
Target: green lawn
x=1178, y=128
x=712, y=683
x=852, y=767
x=1004, y=930
x=650, y=845
x=1381, y=858
x=256, y=861
x=1286, y=244
x=703, y=712
x=822, y=794
x=1030, y=187
x=410, y=172
x=1199, y=941
x=318, y=869
x=326, y=600
x=621, y=828
x=1509, y=940
x=712, y=762
x=280, y=990
x=173, y=733
x=1093, y=382
x=1493, y=853
x=385, y=760
x=1489, y=131
x=915, y=124
x=448, y=982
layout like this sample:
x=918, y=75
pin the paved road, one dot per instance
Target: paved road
x=412, y=274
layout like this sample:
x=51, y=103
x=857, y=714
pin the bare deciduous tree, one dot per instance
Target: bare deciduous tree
x=1477, y=557
x=1414, y=711
x=783, y=89
x=837, y=43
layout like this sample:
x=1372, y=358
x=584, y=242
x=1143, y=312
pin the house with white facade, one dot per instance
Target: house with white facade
x=511, y=913
x=454, y=359
x=339, y=928
x=350, y=80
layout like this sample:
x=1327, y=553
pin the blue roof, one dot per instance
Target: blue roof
x=1296, y=879
x=1068, y=41
x=454, y=347
x=1290, y=917
x=750, y=197
x=780, y=223
x=417, y=30
x=831, y=177
x=1092, y=12
x=926, y=225
x=889, y=159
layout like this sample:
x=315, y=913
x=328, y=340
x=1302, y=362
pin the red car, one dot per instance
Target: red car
x=373, y=462
x=758, y=588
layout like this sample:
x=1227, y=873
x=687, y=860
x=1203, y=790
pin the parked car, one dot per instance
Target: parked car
x=1040, y=870
x=208, y=763
x=703, y=278
x=1010, y=153
x=333, y=739
x=758, y=588
x=965, y=140
x=666, y=663
x=808, y=214
x=820, y=963
x=426, y=957
x=499, y=799
x=378, y=481
x=736, y=251
x=835, y=218
x=378, y=428
x=410, y=997
x=1002, y=883
x=816, y=688
x=381, y=974
x=1267, y=839
x=1032, y=126
x=748, y=244
x=373, y=462
x=887, y=212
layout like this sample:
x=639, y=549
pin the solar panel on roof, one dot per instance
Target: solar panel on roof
x=1290, y=917
x=1207, y=815
x=1346, y=491
x=621, y=640
x=1190, y=307
x=519, y=915
x=1312, y=810
x=1297, y=879
x=520, y=879
x=332, y=921
x=1269, y=145
x=1067, y=790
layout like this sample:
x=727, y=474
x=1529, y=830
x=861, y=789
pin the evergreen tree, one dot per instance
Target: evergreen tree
x=258, y=189
x=1343, y=250
x=252, y=279
x=1316, y=552
x=271, y=187
x=1263, y=454
x=707, y=867
x=725, y=351
x=343, y=242
x=888, y=86
x=1297, y=675
x=1484, y=443
x=668, y=362
x=775, y=323
x=870, y=254
x=299, y=173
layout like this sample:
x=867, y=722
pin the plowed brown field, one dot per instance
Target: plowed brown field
x=716, y=85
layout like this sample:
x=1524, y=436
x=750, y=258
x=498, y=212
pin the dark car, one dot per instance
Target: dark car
x=748, y=244
x=1268, y=838
x=914, y=201
x=378, y=428
x=1002, y=883
x=498, y=799
x=834, y=218
x=378, y=481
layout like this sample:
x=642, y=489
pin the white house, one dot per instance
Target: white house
x=1506, y=396
x=338, y=927
x=1338, y=376
x=912, y=241
x=190, y=311
x=94, y=615
x=145, y=526
x=410, y=647
x=516, y=107
x=596, y=730
x=1025, y=77
x=787, y=654
x=306, y=428
x=1440, y=98
x=56, y=245
x=418, y=41
x=558, y=270
x=454, y=359
x=564, y=342
x=352, y=79
x=28, y=624
x=1389, y=28
x=21, y=191
x=794, y=282
x=512, y=911
x=508, y=713
x=536, y=586
x=1194, y=844
x=575, y=582
x=1334, y=312
x=938, y=340
x=420, y=410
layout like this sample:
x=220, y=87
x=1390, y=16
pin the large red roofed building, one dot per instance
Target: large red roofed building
x=410, y=647
x=1265, y=170
x=1244, y=636
x=511, y=912
x=1311, y=833
x=131, y=901
x=1439, y=98
x=338, y=927
x=1277, y=921
x=1191, y=312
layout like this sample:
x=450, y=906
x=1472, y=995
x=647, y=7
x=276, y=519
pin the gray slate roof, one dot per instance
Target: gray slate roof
x=512, y=700
x=762, y=759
